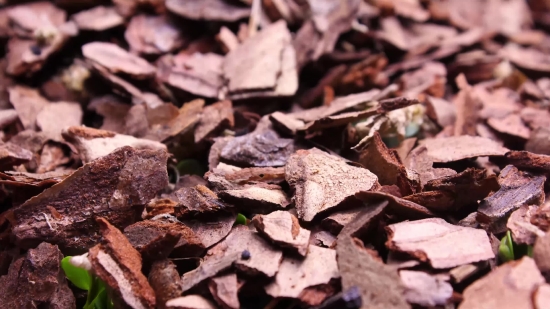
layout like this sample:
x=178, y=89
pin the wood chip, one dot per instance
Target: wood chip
x=295, y=275
x=153, y=35
x=121, y=183
x=52, y=125
x=199, y=199
x=441, y=244
x=424, y=289
x=261, y=148
x=209, y=10
x=155, y=239
x=94, y=143
x=323, y=181
x=519, y=223
x=283, y=228
x=165, y=281
x=118, y=264
x=224, y=289
x=36, y=278
x=385, y=164
x=456, y=148
x=511, y=124
x=494, y=210
x=398, y=206
x=264, y=258
x=215, y=118
x=208, y=269
x=379, y=284
x=254, y=199
x=11, y=154
x=509, y=286
x=277, y=74
x=190, y=302
x=117, y=60
x=99, y=18
x=27, y=103
x=540, y=254
x=213, y=230
x=199, y=74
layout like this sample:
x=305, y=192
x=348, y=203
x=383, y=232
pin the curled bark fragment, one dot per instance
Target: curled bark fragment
x=118, y=264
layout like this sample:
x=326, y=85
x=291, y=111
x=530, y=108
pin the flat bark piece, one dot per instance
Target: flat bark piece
x=227, y=39
x=152, y=35
x=261, y=148
x=199, y=74
x=190, y=302
x=49, y=119
x=116, y=187
x=398, y=206
x=189, y=115
x=99, y=18
x=540, y=254
x=318, y=36
x=453, y=193
x=526, y=58
x=530, y=161
x=511, y=124
x=419, y=161
x=117, y=60
x=156, y=239
x=267, y=49
x=510, y=285
x=219, y=10
x=165, y=281
x=494, y=210
x=286, y=123
x=455, y=148
x=199, y=199
x=274, y=175
x=385, y=164
x=113, y=111
x=118, y=264
x=255, y=199
x=93, y=143
x=212, y=231
x=47, y=179
x=37, y=279
x=215, y=118
x=337, y=220
x=11, y=154
x=364, y=221
x=29, y=139
x=264, y=258
x=28, y=103
x=379, y=284
x=444, y=112
x=424, y=289
x=225, y=290
x=295, y=275
x=322, y=239
x=539, y=141
x=211, y=266
x=541, y=297
x=441, y=244
x=323, y=181
x=283, y=228
x=519, y=223
x=7, y=117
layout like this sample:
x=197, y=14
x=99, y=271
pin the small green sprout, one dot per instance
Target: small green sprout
x=76, y=269
x=241, y=219
x=190, y=167
x=509, y=250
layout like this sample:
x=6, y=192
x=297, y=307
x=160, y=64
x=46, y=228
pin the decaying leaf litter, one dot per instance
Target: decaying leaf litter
x=275, y=154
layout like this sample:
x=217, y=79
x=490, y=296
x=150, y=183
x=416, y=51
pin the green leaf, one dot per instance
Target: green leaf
x=506, y=248
x=241, y=219
x=81, y=278
x=101, y=301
